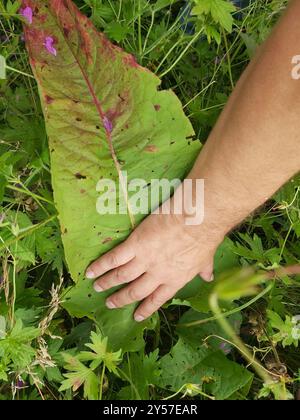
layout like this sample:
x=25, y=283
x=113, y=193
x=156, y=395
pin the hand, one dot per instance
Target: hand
x=159, y=258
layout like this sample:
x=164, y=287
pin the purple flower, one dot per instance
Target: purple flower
x=107, y=124
x=49, y=41
x=27, y=14
x=20, y=384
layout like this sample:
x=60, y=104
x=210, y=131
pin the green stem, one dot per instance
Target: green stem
x=195, y=37
x=30, y=193
x=138, y=397
x=26, y=233
x=19, y=72
x=228, y=60
x=232, y=312
x=261, y=371
x=101, y=382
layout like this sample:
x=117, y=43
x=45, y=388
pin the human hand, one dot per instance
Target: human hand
x=158, y=259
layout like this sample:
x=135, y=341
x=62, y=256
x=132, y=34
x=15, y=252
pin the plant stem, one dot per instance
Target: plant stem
x=260, y=370
x=19, y=72
x=27, y=232
x=232, y=312
x=101, y=382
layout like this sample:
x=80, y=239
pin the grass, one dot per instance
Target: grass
x=39, y=342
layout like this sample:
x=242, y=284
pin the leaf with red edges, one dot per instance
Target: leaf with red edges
x=104, y=115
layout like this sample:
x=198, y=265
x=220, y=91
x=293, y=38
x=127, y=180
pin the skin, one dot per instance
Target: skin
x=252, y=151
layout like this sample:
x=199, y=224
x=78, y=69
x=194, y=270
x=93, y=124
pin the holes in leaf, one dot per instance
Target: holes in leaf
x=80, y=176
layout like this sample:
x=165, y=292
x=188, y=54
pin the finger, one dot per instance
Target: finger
x=120, y=255
x=124, y=274
x=153, y=302
x=208, y=273
x=137, y=291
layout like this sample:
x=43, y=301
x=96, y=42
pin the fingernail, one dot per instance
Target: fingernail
x=212, y=278
x=139, y=318
x=110, y=305
x=90, y=274
x=98, y=288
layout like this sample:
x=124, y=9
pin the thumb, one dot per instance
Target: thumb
x=208, y=273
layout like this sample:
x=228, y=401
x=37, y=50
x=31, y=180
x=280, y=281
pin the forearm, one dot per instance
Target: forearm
x=255, y=146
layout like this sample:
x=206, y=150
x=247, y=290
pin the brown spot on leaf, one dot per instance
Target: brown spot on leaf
x=80, y=176
x=106, y=240
x=82, y=191
x=66, y=31
x=151, y=148
x=157, y=107
x=48, y=99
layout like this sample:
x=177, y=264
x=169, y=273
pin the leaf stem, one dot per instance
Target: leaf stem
x=195, y=37
x=101, y=382
x=27, y=232
x=19, y=72
x=260, y=370
x=232, y=312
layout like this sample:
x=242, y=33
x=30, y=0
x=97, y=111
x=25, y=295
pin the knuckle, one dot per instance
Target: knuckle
x=118, y=276
x=157, y=299
x=113, y=260
x=133, y=294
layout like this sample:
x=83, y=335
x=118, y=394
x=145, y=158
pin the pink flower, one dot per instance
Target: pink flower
x=27, y=14
x=49, y=41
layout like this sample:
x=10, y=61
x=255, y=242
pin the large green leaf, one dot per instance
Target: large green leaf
x=104, y=115
x=208, y=369
x=197, y=359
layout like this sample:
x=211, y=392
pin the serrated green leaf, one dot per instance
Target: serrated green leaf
x=220, y=11
x=80, y=375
